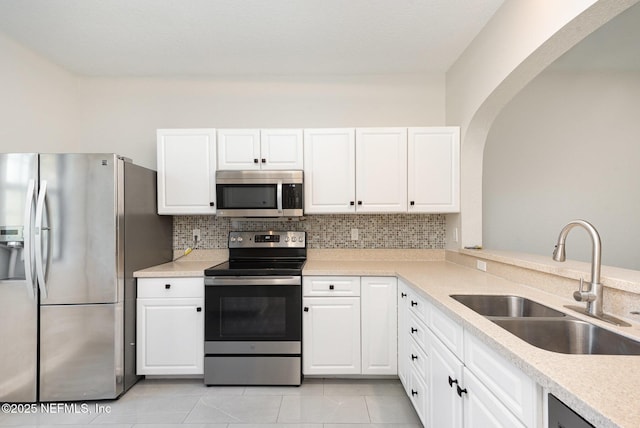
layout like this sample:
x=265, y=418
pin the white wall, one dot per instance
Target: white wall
x=518, y=43
x=38, y=111
x=566, y=147
x=122, y=115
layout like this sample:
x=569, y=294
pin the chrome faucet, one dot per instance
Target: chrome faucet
x=593, y=296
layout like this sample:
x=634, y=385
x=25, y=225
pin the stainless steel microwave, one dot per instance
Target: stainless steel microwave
x=259, y=193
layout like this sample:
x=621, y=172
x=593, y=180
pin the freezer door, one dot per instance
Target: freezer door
x=80, y=352
x=18, y=301
x=19, y=349
x=76, y=223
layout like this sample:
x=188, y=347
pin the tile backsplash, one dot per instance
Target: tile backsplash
x=423, y=231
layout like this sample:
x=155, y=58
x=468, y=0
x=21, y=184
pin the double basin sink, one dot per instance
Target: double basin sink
x=547, y=328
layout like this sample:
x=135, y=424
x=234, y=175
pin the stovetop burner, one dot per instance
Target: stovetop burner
x=256, y=268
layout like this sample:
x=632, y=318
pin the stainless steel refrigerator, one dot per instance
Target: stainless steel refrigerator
x=73, y=229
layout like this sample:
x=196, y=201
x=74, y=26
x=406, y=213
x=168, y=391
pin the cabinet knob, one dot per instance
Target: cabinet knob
x=352, y=203
x=167, y=286
x=211, y=204
x=412, y=203
x=331, y=287
x=255, y=160
x=359, y=202
x=415, y=357
x=414, y=303
x=403, y=295
x=306, y=309
x=198, y=309
x=414, y=392
x=264, y=160
x=413, y=330
x=461, y=391
x=452, y=381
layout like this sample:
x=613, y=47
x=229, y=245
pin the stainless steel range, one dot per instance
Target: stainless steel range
x=253, y=311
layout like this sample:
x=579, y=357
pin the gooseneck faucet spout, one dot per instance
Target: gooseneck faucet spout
x=593, y=296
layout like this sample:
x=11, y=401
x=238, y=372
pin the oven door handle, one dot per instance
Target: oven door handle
x=252, y=280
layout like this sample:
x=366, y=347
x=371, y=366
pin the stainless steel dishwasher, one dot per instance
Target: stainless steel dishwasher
x=561, y=416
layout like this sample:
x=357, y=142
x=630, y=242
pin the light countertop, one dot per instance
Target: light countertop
x=602, y=388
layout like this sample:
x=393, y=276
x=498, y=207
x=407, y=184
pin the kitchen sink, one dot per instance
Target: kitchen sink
x=569, y=336
x=547, y=328
x=505, y=306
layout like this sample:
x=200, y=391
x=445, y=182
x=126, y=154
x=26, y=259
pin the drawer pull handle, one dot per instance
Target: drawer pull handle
x=167, y=286
x=403, y=295
x=331, y=287
x=414, y=303
x=413, y=330
x=198, y=309
x=414, y=392
x=306, y=309
x=452, y=381
x=415, y=357
x=461, y=391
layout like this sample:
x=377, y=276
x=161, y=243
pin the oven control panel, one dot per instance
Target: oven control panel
x=267, y=239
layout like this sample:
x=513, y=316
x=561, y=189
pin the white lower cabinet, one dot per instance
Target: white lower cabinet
x=170, y=326
x=463, y=382
x=349, y=325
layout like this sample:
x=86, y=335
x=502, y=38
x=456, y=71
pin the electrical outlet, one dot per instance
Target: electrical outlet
x=481, y=265
x=354, y=234
x=196, y=235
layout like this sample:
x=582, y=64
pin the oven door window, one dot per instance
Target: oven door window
x=247, y=196
x=258, y=313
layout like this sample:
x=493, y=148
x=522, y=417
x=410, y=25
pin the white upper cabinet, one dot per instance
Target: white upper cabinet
x=381, y=170
x=186, y=171
x=281, y=149
x=329, y=171
x=247, y=149
x=434, y=170
x=238, y=149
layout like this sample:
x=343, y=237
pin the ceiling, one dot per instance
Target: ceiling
x=246, y=37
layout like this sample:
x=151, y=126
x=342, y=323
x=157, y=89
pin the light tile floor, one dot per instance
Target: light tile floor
x=318, y=403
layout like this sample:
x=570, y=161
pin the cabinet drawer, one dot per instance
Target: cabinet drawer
x=418, y=331
x=448, y=331
x=418, y=360
x=419, y=395
x=170, y=287
x=419, y=306
x=508, y=383
x=327, y=286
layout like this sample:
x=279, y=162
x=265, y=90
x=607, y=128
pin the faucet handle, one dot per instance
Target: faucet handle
x=583, y=296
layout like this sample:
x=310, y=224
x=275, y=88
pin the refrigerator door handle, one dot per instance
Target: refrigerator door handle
x=39, y=232
x=29, y=274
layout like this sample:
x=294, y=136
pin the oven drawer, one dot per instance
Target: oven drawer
x=259, y=370
x=170, y=287
x=330, y=286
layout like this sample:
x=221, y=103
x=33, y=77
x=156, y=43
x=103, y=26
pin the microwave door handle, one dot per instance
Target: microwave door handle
x=279, y=196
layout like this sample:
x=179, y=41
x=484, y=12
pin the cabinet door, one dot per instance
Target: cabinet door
x=239, y=149
x=170, y=336
x=186, y=171
x=403, y=334
x=331, y=335
x=445, y=375
x=329, y=171
x=281, y=149
x=482, y=409
x=379, y=325
x=381, y=170
x=434, y=170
